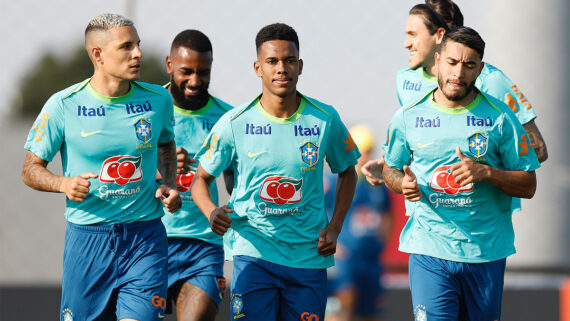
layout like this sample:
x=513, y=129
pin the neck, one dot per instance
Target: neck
x=431, y=69
x=110, y=86
x=281, y=107
x=441, y=99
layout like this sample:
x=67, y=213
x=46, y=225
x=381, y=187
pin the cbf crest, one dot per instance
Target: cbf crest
x=310, y=153
x=237, y=306
x=478, y=144
x=67, y=314
x=143, y=130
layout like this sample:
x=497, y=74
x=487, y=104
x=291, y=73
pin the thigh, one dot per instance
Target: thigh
x=303, y=294
x=143, y=275
x=255, y=295
x=193, y=303
x=435, y=290
x=482, y=291
x=88, y=275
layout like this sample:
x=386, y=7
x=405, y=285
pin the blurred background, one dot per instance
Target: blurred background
x=351, y=51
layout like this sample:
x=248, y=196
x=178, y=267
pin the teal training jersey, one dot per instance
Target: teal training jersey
x=278, y=197
x=414, y=84
x=191, y=128
x=465, y=224
x=113, y=137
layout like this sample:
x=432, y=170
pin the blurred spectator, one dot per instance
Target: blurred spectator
x=354, y=281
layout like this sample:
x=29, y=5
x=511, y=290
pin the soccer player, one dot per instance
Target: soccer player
x=113, y=133
x=458, y=156
x=195, y=254
x=275, y=226
x=426, y=25
x=355, y=278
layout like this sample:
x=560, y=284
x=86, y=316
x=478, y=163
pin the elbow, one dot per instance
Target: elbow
x=542, y=154
x=531, y=189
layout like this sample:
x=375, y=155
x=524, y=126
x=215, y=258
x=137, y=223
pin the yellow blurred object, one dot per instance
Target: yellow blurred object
x=363, y=137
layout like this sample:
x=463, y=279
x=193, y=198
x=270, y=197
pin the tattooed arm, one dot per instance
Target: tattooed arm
x=402, y=182
x=36, y=175
x=536, y=140
x=166, y=165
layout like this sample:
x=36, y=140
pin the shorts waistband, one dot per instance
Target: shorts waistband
x=118, y=227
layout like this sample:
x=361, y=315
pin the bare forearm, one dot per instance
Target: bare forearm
x=536, y=140
x=200, y=191
x=514, y=183
x=167, y=163
x=393, y=178
x=37, y=176
x=344, y=194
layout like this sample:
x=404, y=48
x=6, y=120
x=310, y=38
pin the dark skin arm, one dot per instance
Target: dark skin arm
x=344, y=193
x=229, y=180
x=166, y=164
x=219, y=220
x=36, y=175
x=536, y=140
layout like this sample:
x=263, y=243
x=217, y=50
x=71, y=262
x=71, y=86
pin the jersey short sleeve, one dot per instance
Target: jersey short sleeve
x=495, y=83
x=515, y=148
x=396, y=150
x=47, y=134
x=341, y=150
x=167, y=134
x=217, y=152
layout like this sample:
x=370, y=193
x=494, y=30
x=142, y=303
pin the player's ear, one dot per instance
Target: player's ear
x=439, y=35
x=257, y=68
x=300, y=66
x=97, y=54
x=168, y=64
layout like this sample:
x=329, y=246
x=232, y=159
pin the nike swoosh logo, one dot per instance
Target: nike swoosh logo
x=256, y=154
x=160, y=316
x=424, y=145
x=84, y=134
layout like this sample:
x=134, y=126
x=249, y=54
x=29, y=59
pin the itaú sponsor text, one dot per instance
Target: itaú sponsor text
x=105, y=192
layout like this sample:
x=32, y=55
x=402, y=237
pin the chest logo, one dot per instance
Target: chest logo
x=281, y=190
x=121, y=169
x=478, y=144
x=310, y=153
x=442, y=180
x=143, y=130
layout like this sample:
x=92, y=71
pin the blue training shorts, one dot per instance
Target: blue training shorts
x=199, y=263
x=263, y=291
x=448, y=290
x=114, y=271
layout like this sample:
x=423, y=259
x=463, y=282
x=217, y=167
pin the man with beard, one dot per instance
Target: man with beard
x=195, y=255
x=427, y=23
x=458, y=156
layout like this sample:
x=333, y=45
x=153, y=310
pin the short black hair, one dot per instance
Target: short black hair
x=193, y=40
x=276, y=31
x=439, y=14
x=465, y=36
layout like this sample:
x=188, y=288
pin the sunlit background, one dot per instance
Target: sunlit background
x=351, y=52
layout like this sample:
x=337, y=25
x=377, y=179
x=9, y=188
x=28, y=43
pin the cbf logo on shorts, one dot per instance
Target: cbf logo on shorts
x=67, y=314
x=443, y=181
x=237, y=306
x=478, y=144
x=143, y=130
x=310, y=153
x=121, y=169
x=281, y=190
x=420, y=313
